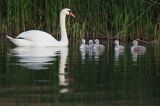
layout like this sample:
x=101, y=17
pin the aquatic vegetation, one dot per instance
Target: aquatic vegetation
x=123, y=19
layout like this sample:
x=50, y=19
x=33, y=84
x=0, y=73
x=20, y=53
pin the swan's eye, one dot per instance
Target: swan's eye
x=69, y=11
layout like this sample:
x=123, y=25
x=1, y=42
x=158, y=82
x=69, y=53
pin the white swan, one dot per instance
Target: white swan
x=40, y=38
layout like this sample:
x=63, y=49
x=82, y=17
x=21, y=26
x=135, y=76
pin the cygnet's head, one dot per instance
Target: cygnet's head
x=90, y=42
x=83, y=41
x=135, y=43
x=67, y=11
x=97, y=41
x=116, y=42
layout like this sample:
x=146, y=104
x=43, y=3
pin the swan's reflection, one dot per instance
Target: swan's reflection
x=62, y=74
x=37, y=58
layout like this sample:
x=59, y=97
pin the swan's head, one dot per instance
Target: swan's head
x=116, y=42
x=67, y=11
x=135, y=43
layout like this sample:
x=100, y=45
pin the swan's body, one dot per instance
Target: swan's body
x=118, y=47
x=137, y=48
x=34, y=38
x=40, y=38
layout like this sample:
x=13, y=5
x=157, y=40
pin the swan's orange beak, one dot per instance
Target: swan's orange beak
x=71, y=14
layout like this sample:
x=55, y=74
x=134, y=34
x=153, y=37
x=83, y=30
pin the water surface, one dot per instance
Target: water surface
x=66, y=76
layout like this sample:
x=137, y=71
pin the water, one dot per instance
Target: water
x=64, y=76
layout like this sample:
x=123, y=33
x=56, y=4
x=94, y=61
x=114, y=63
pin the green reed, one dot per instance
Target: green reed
x=123, y=19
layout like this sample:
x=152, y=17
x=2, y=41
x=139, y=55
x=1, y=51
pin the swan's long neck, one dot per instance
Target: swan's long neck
x=64, y=38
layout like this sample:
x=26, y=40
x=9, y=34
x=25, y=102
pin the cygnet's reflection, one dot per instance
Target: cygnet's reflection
x=91, y=54
x=135, y=54
x=37, y=58
x=118, y=53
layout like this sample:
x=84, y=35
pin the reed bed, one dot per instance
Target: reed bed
x=121, y=19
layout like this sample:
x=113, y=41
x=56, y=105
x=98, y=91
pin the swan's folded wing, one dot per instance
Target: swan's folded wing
x=38, y=37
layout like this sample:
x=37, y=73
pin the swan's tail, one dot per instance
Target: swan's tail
x=10, y=38
x=20, y=42
x=13, y=40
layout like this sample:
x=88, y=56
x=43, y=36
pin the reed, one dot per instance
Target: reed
x=123, y=19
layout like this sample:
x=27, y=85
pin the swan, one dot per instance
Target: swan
x=83, y=46
x=118, y=47
x=40, y=38
x=137, y=48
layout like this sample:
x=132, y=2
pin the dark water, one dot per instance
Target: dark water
x=67, y=77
